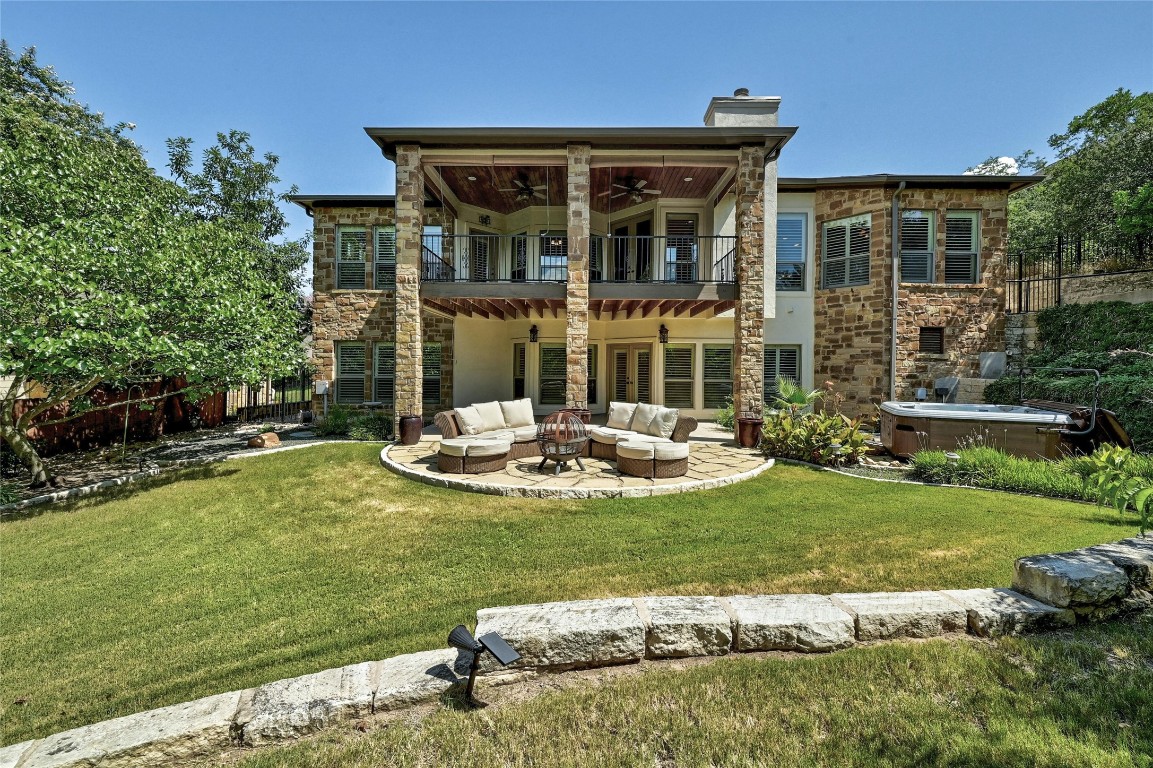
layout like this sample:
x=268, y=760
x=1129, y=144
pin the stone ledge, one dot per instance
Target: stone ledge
x=889, y=615
x=1075, y=579
x=804, y=623
x=999, y=612
x=685, y=626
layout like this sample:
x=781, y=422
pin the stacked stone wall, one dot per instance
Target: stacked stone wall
x=1131, y=287
x=749, y=325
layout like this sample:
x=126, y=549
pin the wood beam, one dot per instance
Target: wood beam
x=701, y=307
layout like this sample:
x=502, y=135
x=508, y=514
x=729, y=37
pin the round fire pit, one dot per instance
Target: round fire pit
x=562, y=437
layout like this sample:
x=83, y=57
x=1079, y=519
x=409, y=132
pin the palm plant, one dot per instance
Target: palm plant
x=791, y=397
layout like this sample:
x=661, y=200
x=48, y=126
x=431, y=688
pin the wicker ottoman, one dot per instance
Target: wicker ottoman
x=652, y=459
x=472, y=456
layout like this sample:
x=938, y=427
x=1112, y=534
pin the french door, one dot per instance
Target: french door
x=630, y=373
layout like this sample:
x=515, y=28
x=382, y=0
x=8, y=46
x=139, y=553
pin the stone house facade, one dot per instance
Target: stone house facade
x=669, y=265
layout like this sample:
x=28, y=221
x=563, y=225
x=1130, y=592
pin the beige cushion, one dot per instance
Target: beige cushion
x=664, y=422
x=642, y=417
x=524, y=434
x=470, y=421
x=631, y=449
x=609, y=436
x=670, y=451
x=491, y=415
x=651, y=439
x=454, y=447
x=620, y=415
x=497, y=434
x=488, y=447
x=518, y=413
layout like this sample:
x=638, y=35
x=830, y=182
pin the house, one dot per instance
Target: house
x=575, y=266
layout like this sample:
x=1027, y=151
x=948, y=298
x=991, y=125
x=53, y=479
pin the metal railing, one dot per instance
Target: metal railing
x=1039, y=275
x=544, y=259
x=270, y=400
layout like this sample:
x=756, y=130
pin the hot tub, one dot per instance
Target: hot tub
x=1016, y=429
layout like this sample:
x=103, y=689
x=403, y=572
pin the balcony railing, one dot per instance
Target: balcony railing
x=544, y=259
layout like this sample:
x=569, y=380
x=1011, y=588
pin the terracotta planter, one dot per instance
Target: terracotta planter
x=410, y=428
x=749, y=431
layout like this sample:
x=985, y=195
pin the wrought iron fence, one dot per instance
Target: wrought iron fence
x=1040, y=275
x=271, y=400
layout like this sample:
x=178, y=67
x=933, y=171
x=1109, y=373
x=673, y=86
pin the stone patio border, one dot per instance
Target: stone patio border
x=538, y=492
x=1049, y=591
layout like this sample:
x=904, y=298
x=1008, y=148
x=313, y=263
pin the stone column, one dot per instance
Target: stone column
x=749, y=330
x=409, y=227
x=577, y=294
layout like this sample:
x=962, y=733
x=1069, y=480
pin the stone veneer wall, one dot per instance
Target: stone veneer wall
x=364, y=315
x=749, y=320
x=853, y=325
x=1131, y=287
x=577, y=288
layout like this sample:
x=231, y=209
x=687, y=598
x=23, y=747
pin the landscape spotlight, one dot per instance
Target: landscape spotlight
x=461, y=638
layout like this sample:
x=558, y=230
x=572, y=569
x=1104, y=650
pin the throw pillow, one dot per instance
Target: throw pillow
x=664, y=422
x=518, y=413
x=620, y=415
x=491, y=415
x=470, y=421
x=642, y=417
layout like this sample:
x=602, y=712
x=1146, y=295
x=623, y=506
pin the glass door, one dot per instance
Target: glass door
x=630, y=373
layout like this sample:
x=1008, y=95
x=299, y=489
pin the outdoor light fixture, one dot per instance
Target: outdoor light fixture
x=663, y=334
x=952, y=458
x=533, y=334
x=922, y=394
x=461, y=638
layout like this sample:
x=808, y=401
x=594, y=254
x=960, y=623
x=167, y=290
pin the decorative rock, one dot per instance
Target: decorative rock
x=10, y=755
x=790, y=623
x=582, y=633
x=885, y=615
x=291, y=708
x=997, y=612
x=157, y=737
x=264, y=440
x=685, y=626
x=415, y=677
x=1134, y=556
x=1070, y=579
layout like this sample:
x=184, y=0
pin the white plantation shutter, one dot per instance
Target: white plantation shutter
x=592, y=375
x=518, y=370
x=961, y=246
x=351, y=250
x=385, y=254
x=644, y=376
x=781, y=363
x=718, y=374
x=553, y=366
x=431, y=358
x=846, y=250
x=349, y=372
x=678, y=376
x=859, y=241
x=791, y=252
x=384, y=373
x=918, y=243
x=835, y=263
x=681, y=249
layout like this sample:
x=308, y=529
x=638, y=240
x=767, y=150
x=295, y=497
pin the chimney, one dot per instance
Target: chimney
x=741, y=109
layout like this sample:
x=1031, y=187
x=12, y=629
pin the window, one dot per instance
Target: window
x=781, y=363
x=384, y=251
x=591, y=376
x=553, y=364
x=351, y=250
x=918, y=244
x=678, y=375
x=434, y=249
x=519, y=258
x=596, y=258
x=681, y=249
x=932, y=341
x=430, y=374
x=961, y=246
x=791, y=251
x=384, y=374
x=845, y=252
x=554, y=256
x=518, y=368
x=349, y=372
x=718, y=364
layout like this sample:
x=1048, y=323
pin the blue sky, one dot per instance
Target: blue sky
x=874, y=87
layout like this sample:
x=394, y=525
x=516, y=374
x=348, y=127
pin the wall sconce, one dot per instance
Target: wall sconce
x=663, y=334
x=533, y=334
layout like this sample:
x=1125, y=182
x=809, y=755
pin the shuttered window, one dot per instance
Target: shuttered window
x=384, y=251
x=918, y=244
x=518, y=370
x=961, y=246
x=791, y=251
x=932, y=341
x=781, y=363
x=592, y=375
x=678, y=375
x=553, y=364
x=349, y=372
x=718, y=374
x=644, y=376
x=430, y=357
x=554, y=257
x=681, y=249
x=384, y=373
x=845, y=252
x=351, y=251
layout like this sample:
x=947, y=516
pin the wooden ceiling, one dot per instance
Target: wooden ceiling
x=484, y=190
x=601, y=309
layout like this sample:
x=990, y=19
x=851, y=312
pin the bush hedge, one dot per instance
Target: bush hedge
x=1091, y=336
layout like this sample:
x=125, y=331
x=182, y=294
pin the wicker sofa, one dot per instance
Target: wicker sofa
x=635, y=420
x=453, y=424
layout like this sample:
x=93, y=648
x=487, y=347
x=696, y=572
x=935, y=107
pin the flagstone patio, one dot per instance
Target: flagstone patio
x=714, y=460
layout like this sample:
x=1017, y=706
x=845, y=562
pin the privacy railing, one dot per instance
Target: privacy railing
x=544, y=259
x=1040, y=274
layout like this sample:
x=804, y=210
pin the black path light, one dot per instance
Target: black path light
x=461, y=638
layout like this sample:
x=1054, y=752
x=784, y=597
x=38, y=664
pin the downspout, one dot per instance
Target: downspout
x=896, y=238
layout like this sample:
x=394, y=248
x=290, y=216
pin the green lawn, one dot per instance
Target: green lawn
x=1083, y=698
x=277, y=566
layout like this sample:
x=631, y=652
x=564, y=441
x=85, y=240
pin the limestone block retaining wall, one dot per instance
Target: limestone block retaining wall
x=1049, y=591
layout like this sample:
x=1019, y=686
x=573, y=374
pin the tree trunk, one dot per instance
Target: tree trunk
x=26, y=452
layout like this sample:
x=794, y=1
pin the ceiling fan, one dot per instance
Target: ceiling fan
x=524, y=190
x=633, y=187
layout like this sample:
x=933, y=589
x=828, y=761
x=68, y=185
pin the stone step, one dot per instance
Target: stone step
x=1070, y=579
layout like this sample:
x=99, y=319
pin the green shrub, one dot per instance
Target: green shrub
x=8, y=493
x=817, y=437
x=372, y=426
x=336, y=422
x=726, y=417
x=1117, y=483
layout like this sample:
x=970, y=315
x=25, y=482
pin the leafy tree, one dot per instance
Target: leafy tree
x=1135, y=212
x=108, y=275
